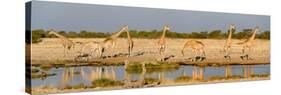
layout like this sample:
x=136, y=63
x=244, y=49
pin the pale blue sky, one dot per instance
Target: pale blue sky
x=104, y=18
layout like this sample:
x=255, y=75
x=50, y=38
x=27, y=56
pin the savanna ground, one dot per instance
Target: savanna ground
x=146, y=50
x=50, y=51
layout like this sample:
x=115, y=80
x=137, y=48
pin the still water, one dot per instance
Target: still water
x=86, y=74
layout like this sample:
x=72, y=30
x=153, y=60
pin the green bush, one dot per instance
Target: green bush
x=216, y=34
x=264, y=35
x=136, y=68
x=103, y=82
x=153, y=34
x=37, y=35
x=183, y=79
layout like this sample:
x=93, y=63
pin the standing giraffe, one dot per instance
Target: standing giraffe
x=66, y=43
x=162, y=42
x=111, y=41
x=228, y=43
x=130, y=43
x=197, y=47
x=248, y=44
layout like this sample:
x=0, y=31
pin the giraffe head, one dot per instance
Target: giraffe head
x=166, y=28
x=257, y=29
x=125, y=28
x=232, y=28
x=51, y=31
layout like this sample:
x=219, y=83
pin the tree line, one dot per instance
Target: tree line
x=37, y=34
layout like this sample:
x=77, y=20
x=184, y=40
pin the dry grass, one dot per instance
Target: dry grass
x=51, y=49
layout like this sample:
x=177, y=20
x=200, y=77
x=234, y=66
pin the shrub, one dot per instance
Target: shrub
x=183, y=79
x=103, y=82
x=152, y=34
x=37, y=35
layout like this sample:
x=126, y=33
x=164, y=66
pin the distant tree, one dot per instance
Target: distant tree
x=63, y=33
x=72, y=34
x=37, y=35
x=216, y=34
x=246, y=33
x=199, y=35
x=265, y=35
x=153, y=34
x=247, y=30
x=83, y=34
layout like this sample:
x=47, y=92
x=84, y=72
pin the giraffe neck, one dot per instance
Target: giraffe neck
x=128, y=35
x=253, y=35
x=229, y=35
x=60, y=36
x=116, y=35
x=163, y=34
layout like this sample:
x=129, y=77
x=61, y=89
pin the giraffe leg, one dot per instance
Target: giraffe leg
x=227, y=55
x=228, y=52
x=161, y=50
x=67, y=52
x=161, y=53
x=112, y=48
x=203, y=56
x=100, y=52
x=194, y=55
x=249, y=51
x=198, y=57
x=243, y=53
x=131, y=45
x=64, y=52
x=225, y=51
x=246, y=55
x=129, y=51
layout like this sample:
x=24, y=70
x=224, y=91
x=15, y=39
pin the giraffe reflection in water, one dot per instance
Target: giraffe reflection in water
x=145, y=76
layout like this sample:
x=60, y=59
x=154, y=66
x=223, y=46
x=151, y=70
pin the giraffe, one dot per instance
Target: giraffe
x=130, y=43
x=66, y=43
x=162, y=42
x=197, y=47
x=247, y=44
x=228, y=43
x=110, y=42
x=88, y=48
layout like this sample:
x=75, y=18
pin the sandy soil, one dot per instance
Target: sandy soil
x=51, y=49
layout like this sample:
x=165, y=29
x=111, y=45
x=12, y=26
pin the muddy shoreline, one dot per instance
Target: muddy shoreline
x=71, y=63
x=55, y=90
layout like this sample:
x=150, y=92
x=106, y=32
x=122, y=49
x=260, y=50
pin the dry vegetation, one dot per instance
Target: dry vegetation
x=50, y=49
